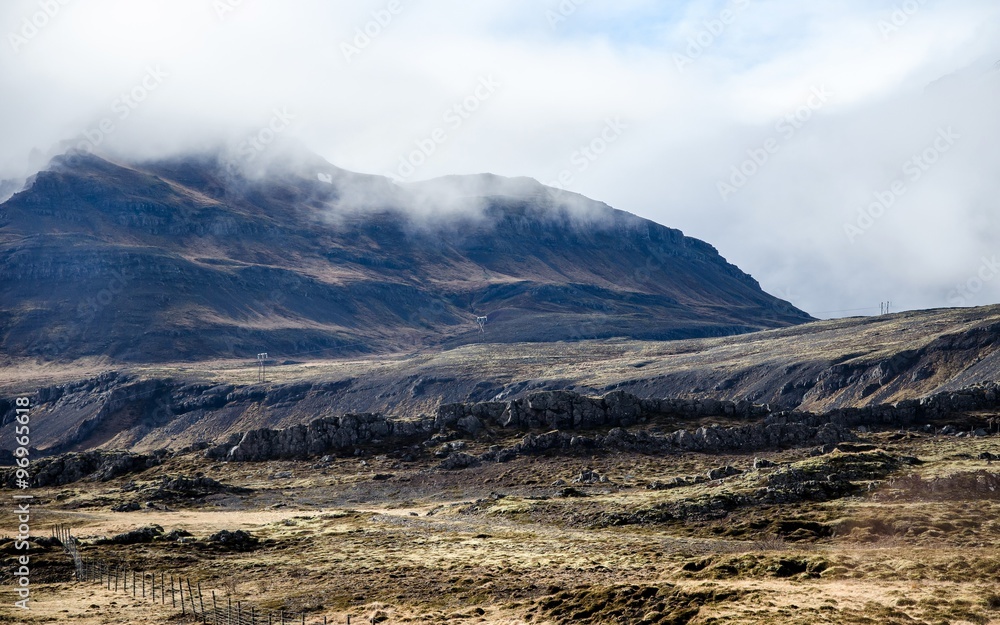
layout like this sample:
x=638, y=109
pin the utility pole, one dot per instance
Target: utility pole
x=482, y=324
x=261, y=367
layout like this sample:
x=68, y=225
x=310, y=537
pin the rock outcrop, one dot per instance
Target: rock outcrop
x=561, y=414
x=566, y=420
x=98, y=466
x=551, y=421
x=322, y=436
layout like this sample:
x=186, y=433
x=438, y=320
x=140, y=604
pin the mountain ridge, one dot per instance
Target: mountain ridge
x=195, y=258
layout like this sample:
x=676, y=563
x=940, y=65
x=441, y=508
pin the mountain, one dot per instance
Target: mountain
x=210, y=256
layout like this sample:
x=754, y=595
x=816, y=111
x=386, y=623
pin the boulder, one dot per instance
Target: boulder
x=234, y=541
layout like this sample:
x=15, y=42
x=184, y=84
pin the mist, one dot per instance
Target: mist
x=844, y=154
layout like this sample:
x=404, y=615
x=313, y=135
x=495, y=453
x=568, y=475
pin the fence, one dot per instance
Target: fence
x=178, y=592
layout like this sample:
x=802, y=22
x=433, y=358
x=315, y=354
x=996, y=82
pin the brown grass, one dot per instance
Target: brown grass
x=496, y=544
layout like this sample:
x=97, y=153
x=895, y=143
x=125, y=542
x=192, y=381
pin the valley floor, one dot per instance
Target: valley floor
x=900, y=528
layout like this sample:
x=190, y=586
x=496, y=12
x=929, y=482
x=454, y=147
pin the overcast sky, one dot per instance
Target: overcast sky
x=843, y=153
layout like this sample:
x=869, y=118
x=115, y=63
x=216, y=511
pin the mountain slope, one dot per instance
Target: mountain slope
x=196, y=258
x=819, y=366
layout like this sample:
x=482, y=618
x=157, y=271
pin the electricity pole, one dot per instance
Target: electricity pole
x=261, y=367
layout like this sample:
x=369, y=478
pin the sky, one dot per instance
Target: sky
x=843, y=153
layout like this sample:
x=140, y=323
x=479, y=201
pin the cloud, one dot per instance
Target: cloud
x=163, y=76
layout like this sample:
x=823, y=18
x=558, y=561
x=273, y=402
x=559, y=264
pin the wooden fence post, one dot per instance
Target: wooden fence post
x=194, y=609
x=201, y=600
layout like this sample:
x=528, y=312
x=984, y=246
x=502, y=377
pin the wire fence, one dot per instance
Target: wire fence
x=178, y=592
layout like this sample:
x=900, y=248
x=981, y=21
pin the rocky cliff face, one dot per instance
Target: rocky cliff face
x=195, y=258
x=548, y=422
x=562, y=415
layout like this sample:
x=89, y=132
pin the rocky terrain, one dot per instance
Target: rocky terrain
x=549, y=484
x=761, y=519
x=819, y=367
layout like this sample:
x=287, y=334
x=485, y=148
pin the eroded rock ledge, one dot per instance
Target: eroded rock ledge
x=550, y=421
x=564, y=419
